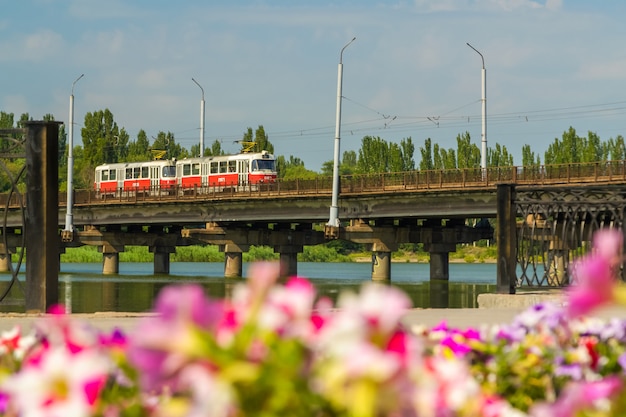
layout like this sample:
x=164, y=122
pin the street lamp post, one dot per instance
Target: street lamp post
x=201, y=118
x=69, y=218
x=333, y=221
x=483, y=150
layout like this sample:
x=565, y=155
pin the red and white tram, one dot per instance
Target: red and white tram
x=156, y=175
x=241, y=170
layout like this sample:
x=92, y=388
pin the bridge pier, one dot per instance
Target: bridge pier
x=440, y=260
x=5, y=258
x=162, y=258
x=557, y=261
x=110, y=258
x=381, y=266
x=288, y=259
x=233, y=259
x=110, y=263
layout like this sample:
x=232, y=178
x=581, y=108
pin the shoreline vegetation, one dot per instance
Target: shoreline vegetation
x=320, y=253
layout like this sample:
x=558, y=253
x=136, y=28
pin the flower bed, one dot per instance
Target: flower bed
x=277, y=350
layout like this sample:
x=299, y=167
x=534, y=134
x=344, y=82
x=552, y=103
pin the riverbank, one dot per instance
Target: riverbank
x=319, y=253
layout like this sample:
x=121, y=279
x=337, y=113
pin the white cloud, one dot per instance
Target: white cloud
x=39, y=45
x=152, y=79
x=604, y=70
x=485, y=5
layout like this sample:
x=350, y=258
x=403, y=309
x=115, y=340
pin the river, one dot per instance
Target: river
x=83, y=289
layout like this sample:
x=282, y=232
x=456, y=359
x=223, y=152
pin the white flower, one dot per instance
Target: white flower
x=59, y=384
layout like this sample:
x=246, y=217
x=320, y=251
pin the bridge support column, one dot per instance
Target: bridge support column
x=5, y=258
x=506, y=229
x=41, y=221
x=440, y=260
x=288, y=259
x=381, y=266
x=162, y=258
x=110, y=263
x=110, y=259
x=557, y=258
x=233, y=260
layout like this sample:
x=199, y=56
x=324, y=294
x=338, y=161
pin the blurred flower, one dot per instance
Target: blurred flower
x=595, y=278
x=61, y=383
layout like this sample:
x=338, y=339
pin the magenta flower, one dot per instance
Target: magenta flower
x=594, y=275
x=162, y=344
x=594, y=287
x=579, y=397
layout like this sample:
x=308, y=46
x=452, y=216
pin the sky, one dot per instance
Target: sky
x=550, y=65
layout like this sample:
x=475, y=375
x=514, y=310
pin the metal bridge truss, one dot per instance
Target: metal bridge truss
x=555, y=227
x=12, y=172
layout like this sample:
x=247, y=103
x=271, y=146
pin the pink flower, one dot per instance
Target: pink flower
x=580, y=396
x=608, y=244
x=162, y=344
x=595, y=274
x=594, y=287
x=62, y=383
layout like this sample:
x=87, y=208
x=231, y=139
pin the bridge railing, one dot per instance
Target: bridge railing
x=418, y=180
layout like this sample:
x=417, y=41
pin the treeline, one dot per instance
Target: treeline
x=103, y=141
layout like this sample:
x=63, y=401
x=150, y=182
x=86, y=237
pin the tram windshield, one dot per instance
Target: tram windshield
x=169, y=171
x=263, y=165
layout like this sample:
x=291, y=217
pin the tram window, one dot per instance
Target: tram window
x=169, y=171
x=129, y=173
x=232, y=166
x=105, y=175
x=112, y=175
x=214, y=167
x=263, y=165
x=144, y=172
x=136, y=172
x=222, y=167
x=195, y=169
x=187, y=169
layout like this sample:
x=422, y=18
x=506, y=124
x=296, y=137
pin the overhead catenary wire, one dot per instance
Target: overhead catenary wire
x=402, y=124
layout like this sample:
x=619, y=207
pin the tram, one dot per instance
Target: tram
x=240, y=171
x=244, y=171
x=148, y=176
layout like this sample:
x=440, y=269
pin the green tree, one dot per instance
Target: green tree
x=426, y=151
x=408, y=150
x=567, y=149
x=103, y=141
x=449, y=158
x=260, y=140
x=293, y=172
x=437, y=161
x=468, y=154
x=283, y=166
x=499, y=156
x=83, y=171
x=216, y=148
x=373, y=155
x=594, y=149
x=139, y=149
x=617, y=148
x=347, y=165
x=529, y=158
x=167, y=142
x=6, y=120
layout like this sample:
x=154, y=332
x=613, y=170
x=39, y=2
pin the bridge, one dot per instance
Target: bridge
x=439, y=208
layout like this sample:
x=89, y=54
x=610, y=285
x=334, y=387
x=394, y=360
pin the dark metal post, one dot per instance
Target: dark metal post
x=41, y=227
x=506, y=234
